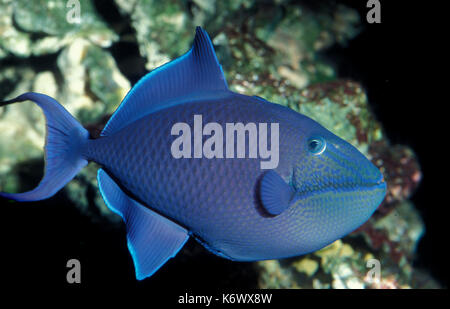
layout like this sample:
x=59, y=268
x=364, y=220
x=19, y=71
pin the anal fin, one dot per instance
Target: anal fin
x=152, y=239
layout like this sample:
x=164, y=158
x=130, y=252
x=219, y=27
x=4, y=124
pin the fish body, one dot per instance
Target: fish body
x=172, y=168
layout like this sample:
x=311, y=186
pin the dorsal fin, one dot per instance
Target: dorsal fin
x=195, y=74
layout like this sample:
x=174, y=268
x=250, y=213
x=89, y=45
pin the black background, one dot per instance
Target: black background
x=395, y=61
x=390, y=59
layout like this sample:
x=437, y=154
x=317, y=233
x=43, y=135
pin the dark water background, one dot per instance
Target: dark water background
x=389, y=59
x=392, y=61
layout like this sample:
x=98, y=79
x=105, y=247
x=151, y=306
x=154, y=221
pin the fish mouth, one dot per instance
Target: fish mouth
x=347, y=187
x=378, y=184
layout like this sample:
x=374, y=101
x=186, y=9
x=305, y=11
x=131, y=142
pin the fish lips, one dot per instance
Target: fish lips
x=378, y=187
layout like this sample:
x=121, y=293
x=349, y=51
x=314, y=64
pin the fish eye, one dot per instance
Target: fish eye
x=316, y=145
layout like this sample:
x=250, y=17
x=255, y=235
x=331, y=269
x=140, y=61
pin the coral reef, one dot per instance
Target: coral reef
x=269, y=49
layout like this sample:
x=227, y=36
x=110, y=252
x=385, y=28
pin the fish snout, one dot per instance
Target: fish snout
x=357, y=170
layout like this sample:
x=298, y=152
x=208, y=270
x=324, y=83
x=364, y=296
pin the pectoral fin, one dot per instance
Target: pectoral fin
x=275, y=193
x=152, y=238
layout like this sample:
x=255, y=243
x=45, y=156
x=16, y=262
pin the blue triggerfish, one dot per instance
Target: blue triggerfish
x=184, y=156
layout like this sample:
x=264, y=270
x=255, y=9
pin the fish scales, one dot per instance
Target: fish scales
x=208, y=196
x=281, y=185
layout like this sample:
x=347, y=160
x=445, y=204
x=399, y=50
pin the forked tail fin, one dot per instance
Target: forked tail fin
x=64, y=142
